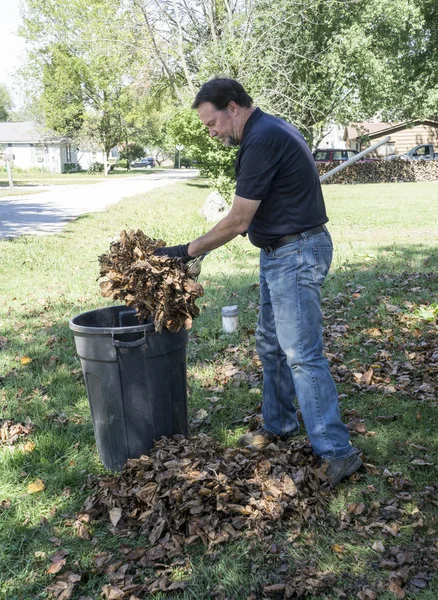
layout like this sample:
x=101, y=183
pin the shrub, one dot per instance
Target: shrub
x=96, y=167
x=71, y=167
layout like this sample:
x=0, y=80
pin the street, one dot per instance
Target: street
x=48, y=212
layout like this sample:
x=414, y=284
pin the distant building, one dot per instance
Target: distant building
x=33, y=147
x=333, y=137
x=404, y=136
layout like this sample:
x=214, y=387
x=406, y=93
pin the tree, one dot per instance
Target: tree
x=83, y=70
x=5, y=103
x=130, y=153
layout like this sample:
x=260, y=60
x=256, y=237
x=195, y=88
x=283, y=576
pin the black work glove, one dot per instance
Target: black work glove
x=180, y=252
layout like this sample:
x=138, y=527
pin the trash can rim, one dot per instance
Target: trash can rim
x=108, y=330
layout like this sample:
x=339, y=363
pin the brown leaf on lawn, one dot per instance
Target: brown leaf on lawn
x=356, y=508
x=111, y=592
x=367, y=594
x=25, y=360
x=115, y=515
x=35, y=486
x=357, y=426
x=63, y=587
x=29, y=446
x=337, y=549
x=276, y=588
x=56, y=566
x=367, y=377
x=10, y=432
x=395, y=586
x=82, y=531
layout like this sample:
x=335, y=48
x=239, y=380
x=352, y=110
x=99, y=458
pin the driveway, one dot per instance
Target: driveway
x=49, y=211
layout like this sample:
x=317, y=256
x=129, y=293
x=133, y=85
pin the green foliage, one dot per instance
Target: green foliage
x=5, y=103
x=85, y=80
x=71, y=167
x=130, y=153
x=96, y=167
x=216, y=161
x=122, y=163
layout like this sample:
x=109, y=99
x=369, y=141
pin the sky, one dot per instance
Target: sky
x=11, y=46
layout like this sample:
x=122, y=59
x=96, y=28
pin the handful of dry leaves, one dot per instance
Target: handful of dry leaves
x=156, y=286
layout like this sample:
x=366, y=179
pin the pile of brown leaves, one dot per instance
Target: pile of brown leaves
x=192, y=489
x=156, y=286
x=10, y=432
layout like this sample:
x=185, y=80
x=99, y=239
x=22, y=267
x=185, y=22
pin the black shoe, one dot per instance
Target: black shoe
x=344, y=467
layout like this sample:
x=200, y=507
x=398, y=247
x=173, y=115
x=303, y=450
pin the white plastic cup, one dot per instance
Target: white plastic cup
x=230, y=319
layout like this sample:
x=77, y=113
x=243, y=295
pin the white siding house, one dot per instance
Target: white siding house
x=87, y=157
x=33, y=147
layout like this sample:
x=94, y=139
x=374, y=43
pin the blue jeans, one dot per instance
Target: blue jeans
x=289, y=344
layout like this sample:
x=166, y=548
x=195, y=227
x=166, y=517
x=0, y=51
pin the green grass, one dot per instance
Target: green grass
x=386, y=247
x=23, y=178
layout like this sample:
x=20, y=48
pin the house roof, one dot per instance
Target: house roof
x=376, y=130
x=28, y=133
x=357, y=129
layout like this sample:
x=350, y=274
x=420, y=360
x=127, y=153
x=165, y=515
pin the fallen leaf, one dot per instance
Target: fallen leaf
x=55, y=567
x=356, y=508
x=36, y=486
x=115, y=515
x=25, y=360
x=337, y=548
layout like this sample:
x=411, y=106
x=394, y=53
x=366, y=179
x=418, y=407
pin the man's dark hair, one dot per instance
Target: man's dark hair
x=221, y=91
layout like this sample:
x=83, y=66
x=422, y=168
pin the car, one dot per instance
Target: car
x=329, y=155
x=420, y=152
x=325, y=155
x=144, y=162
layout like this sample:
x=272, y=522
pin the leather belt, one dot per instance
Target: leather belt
x=288, y=239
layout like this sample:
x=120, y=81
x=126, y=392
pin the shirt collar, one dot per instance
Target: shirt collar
x=254, y=116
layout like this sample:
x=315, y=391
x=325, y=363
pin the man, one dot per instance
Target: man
x=279, y=203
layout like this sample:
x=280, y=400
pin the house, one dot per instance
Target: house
x=404, y=136
x=86, y=157
x=333, y=137
x=33, y=147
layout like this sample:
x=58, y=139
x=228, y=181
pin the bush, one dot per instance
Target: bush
x=71, y=167
x=96, y=167
x=122, y=163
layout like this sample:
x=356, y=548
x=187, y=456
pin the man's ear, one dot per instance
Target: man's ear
x=233, y=107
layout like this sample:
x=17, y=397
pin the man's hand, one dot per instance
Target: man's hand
x=180, y=252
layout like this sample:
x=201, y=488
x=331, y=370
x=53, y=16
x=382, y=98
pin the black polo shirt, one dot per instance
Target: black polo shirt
x=274, y=164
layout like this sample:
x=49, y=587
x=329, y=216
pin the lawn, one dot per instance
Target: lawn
x=32, y=179
x=376, y=535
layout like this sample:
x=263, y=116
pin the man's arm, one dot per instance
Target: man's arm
x=236, y=222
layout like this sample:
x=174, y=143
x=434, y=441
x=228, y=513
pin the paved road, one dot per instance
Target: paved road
x=49, y=211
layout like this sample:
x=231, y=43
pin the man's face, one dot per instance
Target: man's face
x=222, y=124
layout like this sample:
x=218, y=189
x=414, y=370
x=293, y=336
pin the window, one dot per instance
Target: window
x=94, y=156
x=321, y=155
x=39, y=153
x=68, y=153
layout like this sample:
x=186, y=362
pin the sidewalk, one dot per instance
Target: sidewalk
x=49, y=211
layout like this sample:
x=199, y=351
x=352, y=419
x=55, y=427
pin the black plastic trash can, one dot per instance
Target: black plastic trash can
x=136, y=381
